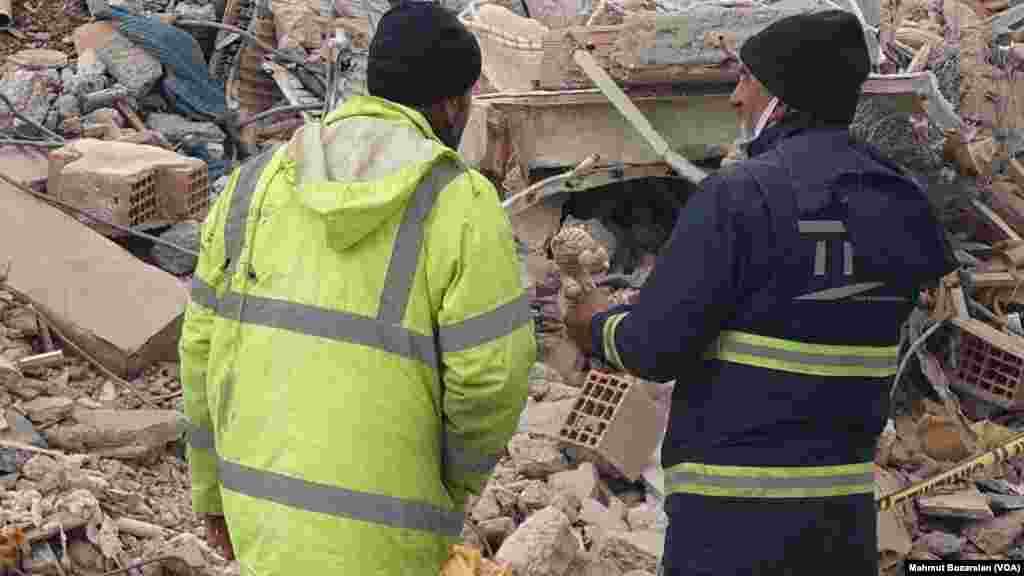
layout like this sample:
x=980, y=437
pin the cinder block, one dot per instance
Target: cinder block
x=991, y=365
x=615, y=421
x=184, y=191
x=129, y=184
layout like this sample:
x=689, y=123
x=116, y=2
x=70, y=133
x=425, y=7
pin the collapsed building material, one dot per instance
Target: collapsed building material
x=659, y=49
x=614, y=421
x=82, y=282
x=129, y=184
x=512, y=47
x=124, y=434
x=991, y=364
x=562, y=129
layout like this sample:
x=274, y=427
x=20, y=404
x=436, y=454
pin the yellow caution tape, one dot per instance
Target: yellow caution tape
x=963, y=471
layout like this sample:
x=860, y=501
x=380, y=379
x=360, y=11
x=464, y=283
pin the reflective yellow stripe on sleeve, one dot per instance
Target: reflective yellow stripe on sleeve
x=804, y=358
x=770, y=482
x=611, y=352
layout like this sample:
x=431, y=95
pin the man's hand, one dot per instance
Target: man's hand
x=577, y=319
x=218, y=538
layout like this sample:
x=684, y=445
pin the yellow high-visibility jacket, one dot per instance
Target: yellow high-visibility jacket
x=355, y=353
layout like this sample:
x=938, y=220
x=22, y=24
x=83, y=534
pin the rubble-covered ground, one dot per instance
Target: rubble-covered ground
x=42, y=24
x=92, y=464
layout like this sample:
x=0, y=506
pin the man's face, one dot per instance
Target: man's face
x=750, y=100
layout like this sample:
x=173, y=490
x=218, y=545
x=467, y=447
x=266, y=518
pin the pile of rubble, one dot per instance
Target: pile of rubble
x=91, y=466
x=127, y=121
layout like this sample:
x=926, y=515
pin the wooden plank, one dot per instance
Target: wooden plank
x=678, y=48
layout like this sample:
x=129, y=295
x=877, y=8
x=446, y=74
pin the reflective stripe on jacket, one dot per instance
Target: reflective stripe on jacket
x=356, y=351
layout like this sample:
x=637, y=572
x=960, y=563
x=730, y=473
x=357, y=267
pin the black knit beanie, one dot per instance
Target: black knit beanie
x=421, y=54
x=815, y=63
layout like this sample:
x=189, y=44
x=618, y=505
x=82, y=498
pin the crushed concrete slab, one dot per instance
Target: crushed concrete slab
x=545, y=418
x=941, y=544
x=560, y=392
x=633, y=550
x=568, y=503
x=536, y=457
x=588, y=564
x=176, y=128
x=597, y=514
x=31, y=92
x=48, y=409
x=535, y=496
x=642, y=517
x=133, y=67
x=544, y=545
x=997, y=535
x=581, y=482
x=9, y=373
x=497, y=529
x=118, y=433
x=486, y=507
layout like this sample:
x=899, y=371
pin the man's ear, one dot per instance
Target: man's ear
x=452, y=108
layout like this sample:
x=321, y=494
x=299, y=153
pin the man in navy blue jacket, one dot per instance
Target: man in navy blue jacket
x=776, y=307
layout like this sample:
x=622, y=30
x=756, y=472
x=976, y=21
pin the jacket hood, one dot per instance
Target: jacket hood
x=360, y=166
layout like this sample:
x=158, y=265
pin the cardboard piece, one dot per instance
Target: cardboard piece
x=123, y=312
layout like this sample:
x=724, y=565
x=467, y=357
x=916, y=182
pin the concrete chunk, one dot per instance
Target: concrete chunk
x=633, y=550
x=176, y=128
x=132, y=66
x=581, y=482
x=9, y=373
x=48, y=409
x=597, y=514
x=496, y=530
x=642, y=517
x=542, y=546
x=545, y=418
x=120, y=310
x=536, y=457
x=535, y=496
x=486, y=506
x=941, y=544
x=119, y=433
x=997, y=535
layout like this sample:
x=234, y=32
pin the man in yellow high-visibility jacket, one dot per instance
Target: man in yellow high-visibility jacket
x=356, y=350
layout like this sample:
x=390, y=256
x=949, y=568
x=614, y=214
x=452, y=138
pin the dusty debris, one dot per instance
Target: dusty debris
x=118, y=433
x=542, y=546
